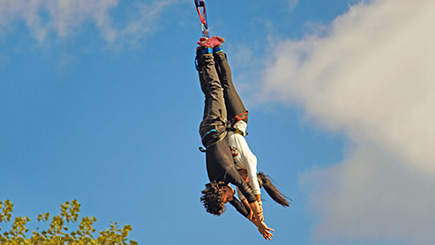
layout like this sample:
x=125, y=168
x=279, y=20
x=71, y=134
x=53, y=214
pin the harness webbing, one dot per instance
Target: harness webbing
x=203, y=17
x=241, y=116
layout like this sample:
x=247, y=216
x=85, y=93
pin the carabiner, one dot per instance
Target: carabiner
x=199, y=3
x=203, y=16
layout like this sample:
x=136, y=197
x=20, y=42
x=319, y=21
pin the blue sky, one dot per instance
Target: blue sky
x=100, y=102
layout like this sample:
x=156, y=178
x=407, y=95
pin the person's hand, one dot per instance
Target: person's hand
x=265, y=231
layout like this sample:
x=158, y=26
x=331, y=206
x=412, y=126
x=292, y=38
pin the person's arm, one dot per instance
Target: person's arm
x=240, y=195
x=234, y=178
x=262, y=227
x=249, y=161
x=241, y=207
x=258, y=212
x=250, y=216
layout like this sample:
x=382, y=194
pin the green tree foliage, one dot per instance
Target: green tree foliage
x=58, y=231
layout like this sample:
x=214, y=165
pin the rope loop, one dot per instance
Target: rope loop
x=202, y=16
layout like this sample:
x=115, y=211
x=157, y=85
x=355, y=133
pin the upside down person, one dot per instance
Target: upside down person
x=214, y=73
x=245, y=161
x=219, y=160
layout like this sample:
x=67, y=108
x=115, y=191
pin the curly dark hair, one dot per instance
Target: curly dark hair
x=213, y=197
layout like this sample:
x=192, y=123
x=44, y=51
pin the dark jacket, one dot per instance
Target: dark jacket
x=220, y=167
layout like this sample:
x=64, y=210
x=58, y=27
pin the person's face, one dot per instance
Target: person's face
x=228, y=193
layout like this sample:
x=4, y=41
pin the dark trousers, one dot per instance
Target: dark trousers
x=213, y=126
x=222, y=102
x=235, y=108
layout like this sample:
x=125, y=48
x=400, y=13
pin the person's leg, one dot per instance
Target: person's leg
x=235, y=107
x=213, y=125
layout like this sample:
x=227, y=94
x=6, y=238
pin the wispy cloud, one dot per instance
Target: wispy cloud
x=65, y=18
x=292, y=4
x=73, y=13
x=144, y=21
x=369, y=75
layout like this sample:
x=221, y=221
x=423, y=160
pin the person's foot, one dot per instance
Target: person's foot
x=215, y=41
x=210, y=42
x=203, y=43
x=203, y=47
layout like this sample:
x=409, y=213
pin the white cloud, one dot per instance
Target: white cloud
x=144, y=21
x=64, y=18
x=369, y=197
x=73, y=13
x=292, y=4
x=29, y=12
x=370, y=75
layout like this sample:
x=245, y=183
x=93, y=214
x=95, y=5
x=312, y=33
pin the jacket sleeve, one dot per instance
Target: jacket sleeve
x=240, y=207
x=234, y=178
x=240, y=195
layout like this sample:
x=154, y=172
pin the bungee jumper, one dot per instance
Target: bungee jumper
x=228, y=157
